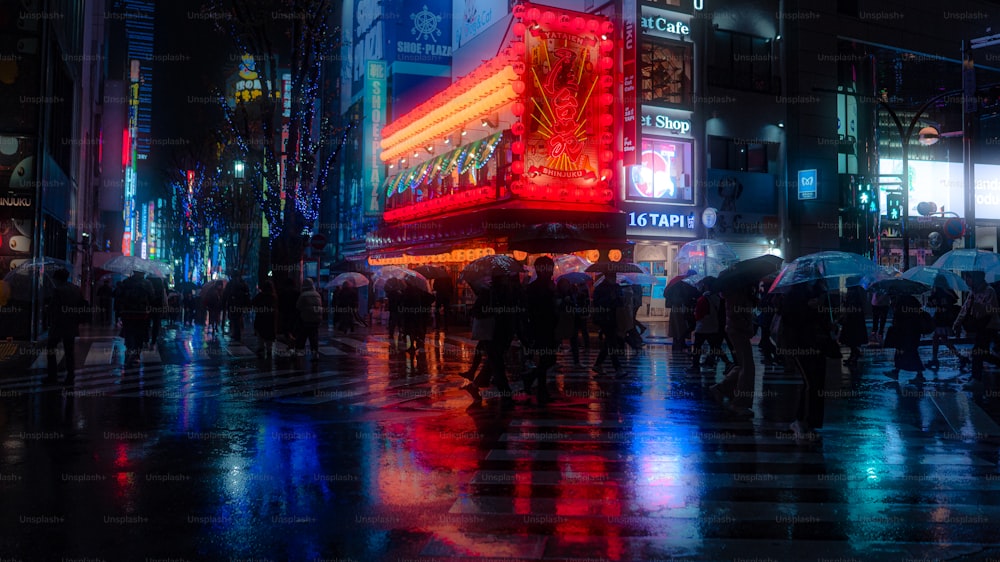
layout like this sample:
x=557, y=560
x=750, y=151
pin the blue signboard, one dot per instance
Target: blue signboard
x=423, y=32
x=808, y=183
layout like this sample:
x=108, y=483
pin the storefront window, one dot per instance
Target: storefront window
x=665, y=73
x=664, y=173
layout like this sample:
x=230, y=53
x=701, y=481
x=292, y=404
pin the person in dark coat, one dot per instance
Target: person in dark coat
x=444, y=292
x=65, y=310
x=853, y=330
x=540, y=302
x=265, y=320
x=416, y=306
x=237, y=299
x=806, y=330
x=608, y=298
x=906, y=328
x=104, y=296
x=134, y=299
x=346, y=306
x=288, y=315
x=393, y=300
x=503, y=306
x=157, y=309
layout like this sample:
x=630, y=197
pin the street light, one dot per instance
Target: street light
x=927, y=136
x=238, y=169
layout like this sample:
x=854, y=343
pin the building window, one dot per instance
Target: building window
x=665, y=73
x=729, y=154
x=664, y=173
x=741, y=61
x=669, y=3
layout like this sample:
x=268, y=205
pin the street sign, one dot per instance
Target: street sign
x=807, y=184
x=954, y=228
x=318, y=242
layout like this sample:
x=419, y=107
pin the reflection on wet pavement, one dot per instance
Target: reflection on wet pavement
x=205, y=454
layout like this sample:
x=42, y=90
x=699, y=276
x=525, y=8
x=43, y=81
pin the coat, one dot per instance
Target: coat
x=310, y=307
x=65, y=310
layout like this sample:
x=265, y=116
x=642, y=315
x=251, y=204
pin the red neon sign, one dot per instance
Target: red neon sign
x=567, y=113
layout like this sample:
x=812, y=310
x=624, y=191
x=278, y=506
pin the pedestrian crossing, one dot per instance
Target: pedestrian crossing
x=636, y=488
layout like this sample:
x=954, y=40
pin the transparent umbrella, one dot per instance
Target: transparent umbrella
x=837, y=268
x=21, y=279
x=358, y=279
x=569, y=263
x=405, y=275
x=935, y=277
x=707, y=257
x=968, y=259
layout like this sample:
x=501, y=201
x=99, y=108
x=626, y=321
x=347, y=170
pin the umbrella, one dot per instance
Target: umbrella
x=403, y=274
x=883, y=272
x=834, y=267
x=356, y=278
x=569, y=263
x=23, y=277
x=127, y=264
x=551, y=237
x=636, y=278
x=478, y=272
x=576, y=277
x=708, y=257
x=748, y=272
x=967, y=259
x=900, y=286
x=936, y=277
x=680, y=291
x=432, y=271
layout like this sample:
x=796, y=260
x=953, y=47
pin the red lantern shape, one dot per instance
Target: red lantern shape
x=518, y=86
x=548, y=17
x=517, y=128
x=517, y=109
x=517, y=166
x=519, y=29
x=517, y=147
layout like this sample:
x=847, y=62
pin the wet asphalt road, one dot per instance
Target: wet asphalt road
x=206, y=452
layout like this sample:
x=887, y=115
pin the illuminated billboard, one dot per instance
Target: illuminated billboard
x=664, y=172
x=564, y=67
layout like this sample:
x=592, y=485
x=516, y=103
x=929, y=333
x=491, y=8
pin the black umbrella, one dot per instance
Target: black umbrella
x=748, y=272
x=551, y=237
x=680, y=292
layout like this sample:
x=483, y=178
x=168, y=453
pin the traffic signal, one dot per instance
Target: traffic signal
x=894, y=206
x=867, y=201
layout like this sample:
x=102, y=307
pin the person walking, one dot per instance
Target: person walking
x=66, y=308
x=805, y=333
x=853, y=331
x=769, y=304
x=444, y=292
x=608, y=299
x=157, y=308
x=288, y=297
x=133, y=304
x=310, y=315
x=393, y=301
x=417, y=305
x=979, y=316
x=502, y=306
x=880, y=314
x=945, y=304
x=213, y=302
x=482, y=331
x=346, y=306
x=566, y=299
x=540, y=302
x=105, y=295
x=582, y=314
x=678, y=301
x=237, y=300
x=906, y=327
x=265, y=318
x=708, y=326
x=741, y=379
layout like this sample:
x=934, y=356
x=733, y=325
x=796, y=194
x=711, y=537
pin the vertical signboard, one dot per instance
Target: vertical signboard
x=807, y=184
x=629, y=81
x=375, y=102
x=567, y=117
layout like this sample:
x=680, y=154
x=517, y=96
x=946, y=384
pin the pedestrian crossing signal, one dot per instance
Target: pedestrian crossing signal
x=894, y=206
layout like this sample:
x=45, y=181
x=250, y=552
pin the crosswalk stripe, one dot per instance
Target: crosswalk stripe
x=100, y=353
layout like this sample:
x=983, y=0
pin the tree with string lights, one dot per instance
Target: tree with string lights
x=289, y=145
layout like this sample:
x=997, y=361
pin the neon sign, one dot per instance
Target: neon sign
x=663, y=24
x=565, y=117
